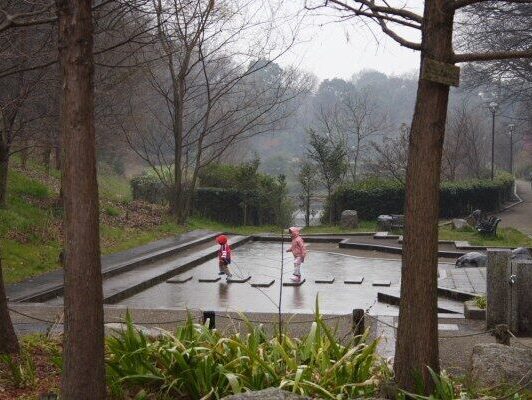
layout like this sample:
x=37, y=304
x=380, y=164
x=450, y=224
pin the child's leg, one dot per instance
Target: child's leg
x=297, y=266
x=225, y=269
x=221, y=266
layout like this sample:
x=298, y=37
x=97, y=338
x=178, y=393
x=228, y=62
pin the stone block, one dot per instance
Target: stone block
x=238, y=279
x=357, y=280
x=263, y=283
x=210, y=279
x=472, y=311
x=381, y=283
x=521, y=305
x=349, y=219
x=293, y=283
x=326, y=279
x=180, y=279
x=497, y=287
x=267, y=394
x=459, y=224
x=496, y=364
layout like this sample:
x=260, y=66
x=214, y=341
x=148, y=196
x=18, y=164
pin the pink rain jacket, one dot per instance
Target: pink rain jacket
x=298, y=248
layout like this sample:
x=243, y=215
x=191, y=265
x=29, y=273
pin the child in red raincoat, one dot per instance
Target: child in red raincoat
x=224, y=255
x=299, y=252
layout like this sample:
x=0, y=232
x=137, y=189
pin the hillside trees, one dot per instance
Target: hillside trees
x=213, y=92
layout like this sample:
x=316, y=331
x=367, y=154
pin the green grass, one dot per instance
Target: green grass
x=506, y=237
x=115, y=239
x=202, y=223
x=114, y=188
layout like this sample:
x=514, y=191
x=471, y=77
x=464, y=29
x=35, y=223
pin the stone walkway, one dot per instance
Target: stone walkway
x=520, y=216
x=54, y=280
x=471, y=280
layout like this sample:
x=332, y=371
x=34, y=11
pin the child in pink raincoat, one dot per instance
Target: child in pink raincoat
x=299, y=252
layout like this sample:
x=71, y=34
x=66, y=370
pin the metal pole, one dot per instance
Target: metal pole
x=492, y=144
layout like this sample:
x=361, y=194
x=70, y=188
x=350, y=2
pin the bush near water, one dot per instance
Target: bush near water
x=376, y=197
x=230, y=194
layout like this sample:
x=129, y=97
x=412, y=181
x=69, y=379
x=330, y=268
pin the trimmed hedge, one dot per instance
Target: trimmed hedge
x=258, y=205
x=457, y=199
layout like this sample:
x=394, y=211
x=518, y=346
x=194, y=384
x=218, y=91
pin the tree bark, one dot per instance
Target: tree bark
x=4, y=169
x=8, y=338
x=417, y=337
x=84, y=373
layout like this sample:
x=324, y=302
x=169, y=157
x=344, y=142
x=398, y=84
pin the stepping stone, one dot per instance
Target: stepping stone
x=327, y=279
x=266, y=283
x=210, y=279
x=448, y=327
x=461, y=244
x=291, y=283
x=242, y=279
x=179, y=279
x=380, y=235
x=381, y=283
x=357, y=280
x=400, y=240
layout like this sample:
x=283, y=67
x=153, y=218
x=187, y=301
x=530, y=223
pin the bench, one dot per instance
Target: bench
x=488, y=226
x=398, y=221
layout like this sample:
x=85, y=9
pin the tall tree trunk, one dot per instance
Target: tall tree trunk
x=177, y=206
x=4, y=169
x=417, y=337
x=307, y=209
x=8, y=338
x=84, y=373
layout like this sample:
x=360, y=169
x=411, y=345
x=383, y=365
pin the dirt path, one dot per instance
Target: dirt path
x=520, y=216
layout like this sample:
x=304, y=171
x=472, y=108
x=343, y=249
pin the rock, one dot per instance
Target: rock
x=472, y=259
x=521, y=253
x=267, y=394
x=495, y=364
x=117, y=327
x=384, y=222
x=460, y=224
x=349, y=219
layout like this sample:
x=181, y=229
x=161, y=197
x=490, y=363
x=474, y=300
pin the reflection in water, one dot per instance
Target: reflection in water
x=223, y=291
x=298, y=299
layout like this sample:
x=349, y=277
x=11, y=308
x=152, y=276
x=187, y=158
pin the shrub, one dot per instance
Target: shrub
x=236, y=195
x=112, y=211
x=376, y=197
x=194, y=362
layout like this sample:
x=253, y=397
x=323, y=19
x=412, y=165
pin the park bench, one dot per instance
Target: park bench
x=398, y=221
x=488, y=226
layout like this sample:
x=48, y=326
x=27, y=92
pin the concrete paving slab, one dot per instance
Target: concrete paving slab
x=180, y=279
x=357, y=280
x=296, y=284
x=263, y=284
x=210, y=279
x=239, y=279
x=381, y=283
x=50, y=285
x=327, y=279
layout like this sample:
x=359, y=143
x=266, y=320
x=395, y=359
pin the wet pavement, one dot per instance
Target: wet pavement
x=262, y=261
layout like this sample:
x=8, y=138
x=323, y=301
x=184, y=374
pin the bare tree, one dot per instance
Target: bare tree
x=214, y=95
x=417, y=339
x=8, y=338
x=390, y=157
x=84, y=372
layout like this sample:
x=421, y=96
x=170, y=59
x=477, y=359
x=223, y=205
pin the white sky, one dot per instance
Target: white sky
x=337, y=49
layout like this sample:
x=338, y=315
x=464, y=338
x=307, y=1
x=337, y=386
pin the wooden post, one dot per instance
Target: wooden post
x=210, y=316
x=358, y=321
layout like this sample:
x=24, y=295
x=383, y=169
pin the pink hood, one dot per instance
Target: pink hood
x=294, y=231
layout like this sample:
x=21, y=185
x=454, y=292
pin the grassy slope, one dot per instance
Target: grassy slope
x=30, y=234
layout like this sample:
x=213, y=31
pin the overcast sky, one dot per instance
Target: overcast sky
x=337, y=49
